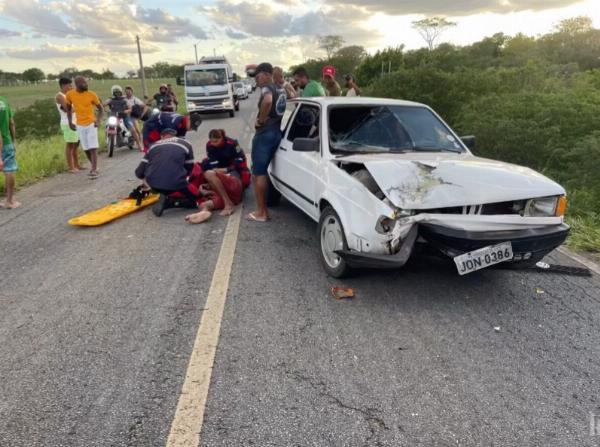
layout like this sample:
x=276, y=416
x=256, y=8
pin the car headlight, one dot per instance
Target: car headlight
x=384, y=225
x=112, y=121
x=191, y=105
x=226, y=102
x=542, y=207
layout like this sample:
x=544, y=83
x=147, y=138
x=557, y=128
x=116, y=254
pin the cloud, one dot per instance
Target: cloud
x=36, y=15
x=252, y=18
x=48, y=51
x=450, y=8
x=233, y=34
x=114, y=21
x=261, y=20
x=167, y=27
x=8, y=33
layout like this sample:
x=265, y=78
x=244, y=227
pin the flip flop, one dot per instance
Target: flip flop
x=252, y=217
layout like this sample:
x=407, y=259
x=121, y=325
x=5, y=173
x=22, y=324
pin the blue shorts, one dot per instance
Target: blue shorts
x=8, y=158
x=264, y=146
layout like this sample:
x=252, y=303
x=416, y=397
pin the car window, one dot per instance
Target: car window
x=306, y=123
x=389, y=128
x=289, y=111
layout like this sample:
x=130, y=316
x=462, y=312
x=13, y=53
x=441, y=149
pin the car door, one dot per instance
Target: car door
x=294, y=172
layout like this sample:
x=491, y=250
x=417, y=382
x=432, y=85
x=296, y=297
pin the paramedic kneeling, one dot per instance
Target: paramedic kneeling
x=166, y=167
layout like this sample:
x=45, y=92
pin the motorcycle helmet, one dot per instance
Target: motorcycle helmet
x=116, y=89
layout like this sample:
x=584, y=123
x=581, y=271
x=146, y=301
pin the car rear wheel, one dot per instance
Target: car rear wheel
x=332, y=239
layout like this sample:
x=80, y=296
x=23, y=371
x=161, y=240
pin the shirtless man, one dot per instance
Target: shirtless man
x=70, y=136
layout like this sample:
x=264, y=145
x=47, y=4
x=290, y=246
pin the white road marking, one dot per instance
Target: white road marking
x=189, y=415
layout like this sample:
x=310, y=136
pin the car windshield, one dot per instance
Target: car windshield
x=209, y=76
x=377, y=128
x=238, y=85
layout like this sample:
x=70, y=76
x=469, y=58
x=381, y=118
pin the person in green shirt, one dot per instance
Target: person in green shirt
x=8, y=163
x=309, y=88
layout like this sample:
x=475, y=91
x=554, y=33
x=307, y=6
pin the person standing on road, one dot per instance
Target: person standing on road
x=131, y=121
x=8, y=162
x=173, y=96
x=309, y=88
x=353, y=89
x=70, y=136
x=82, y=102
x=331, y=85
x=280, y=81
x=267, y=136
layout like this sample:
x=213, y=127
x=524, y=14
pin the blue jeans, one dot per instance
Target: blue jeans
x=8, y=157
x=264, y=145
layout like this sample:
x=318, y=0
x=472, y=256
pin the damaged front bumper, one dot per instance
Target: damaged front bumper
x=357, y=259
x=526, y=243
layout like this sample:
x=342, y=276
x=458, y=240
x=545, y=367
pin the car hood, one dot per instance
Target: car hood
x=429, y=181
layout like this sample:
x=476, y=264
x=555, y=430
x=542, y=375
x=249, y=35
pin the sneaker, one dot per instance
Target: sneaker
x=159, y=206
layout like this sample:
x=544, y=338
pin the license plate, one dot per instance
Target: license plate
x=483, y=257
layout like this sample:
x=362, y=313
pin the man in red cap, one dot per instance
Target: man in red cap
x=329, y=82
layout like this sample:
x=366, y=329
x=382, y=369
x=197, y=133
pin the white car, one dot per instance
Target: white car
x=240, y=90
x=248, y=85
x=381, y=176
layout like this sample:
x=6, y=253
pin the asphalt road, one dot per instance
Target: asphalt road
x=97, y=327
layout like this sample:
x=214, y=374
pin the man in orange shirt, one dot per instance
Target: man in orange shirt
x=82, y=102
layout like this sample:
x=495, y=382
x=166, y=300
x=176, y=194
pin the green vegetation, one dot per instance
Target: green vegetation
x=25, y=95
x=529, y=101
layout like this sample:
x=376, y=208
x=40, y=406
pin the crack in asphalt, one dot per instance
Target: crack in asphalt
x=374, y=422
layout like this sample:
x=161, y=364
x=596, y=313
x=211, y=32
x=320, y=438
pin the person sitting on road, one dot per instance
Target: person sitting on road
x=215, y=189
x=224, y=174
x=166, y=167
x=154, y=124
x=225, y=155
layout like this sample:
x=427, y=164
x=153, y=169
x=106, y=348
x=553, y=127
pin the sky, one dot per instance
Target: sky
x=100, y=34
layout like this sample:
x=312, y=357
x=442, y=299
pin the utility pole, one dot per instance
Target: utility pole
x=142, y=72
x=196, y=52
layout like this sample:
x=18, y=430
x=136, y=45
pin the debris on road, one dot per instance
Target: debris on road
x=496, y=328
x=539, y=291
x=543, y=267
x=340, y=293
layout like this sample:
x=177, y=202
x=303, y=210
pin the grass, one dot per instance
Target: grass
x=44, y=157
x=585, y=233
x=25, y=95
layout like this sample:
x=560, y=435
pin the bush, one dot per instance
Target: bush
x=39, y=120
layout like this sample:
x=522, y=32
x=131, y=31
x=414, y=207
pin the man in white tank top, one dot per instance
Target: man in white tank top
x=71, y=137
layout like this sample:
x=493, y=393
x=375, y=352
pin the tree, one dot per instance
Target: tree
x=431, y=28
x=107, y=74
x=33, y=75
x=575, y=25
x=330, y=43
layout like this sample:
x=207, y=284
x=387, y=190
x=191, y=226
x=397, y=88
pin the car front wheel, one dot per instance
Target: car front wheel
x=332, y=239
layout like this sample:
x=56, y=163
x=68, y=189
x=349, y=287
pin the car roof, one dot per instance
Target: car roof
x=357, y=100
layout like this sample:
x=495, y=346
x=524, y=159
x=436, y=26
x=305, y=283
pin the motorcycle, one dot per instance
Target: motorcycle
x=117, y=134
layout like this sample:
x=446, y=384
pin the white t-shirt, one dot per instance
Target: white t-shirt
x=351, y=92
x=64, y=119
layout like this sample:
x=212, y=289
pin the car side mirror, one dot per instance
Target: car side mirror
x=469, y=141
x=306, y=145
